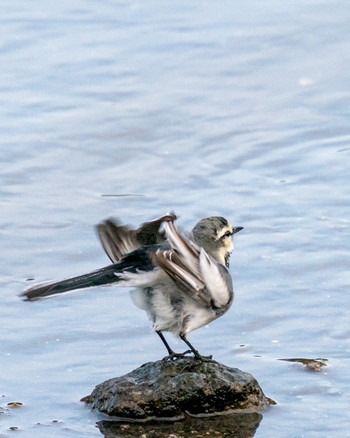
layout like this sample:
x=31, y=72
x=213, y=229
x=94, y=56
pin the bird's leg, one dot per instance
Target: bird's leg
x=167, y=346
x=172, y=355
x=194, y=351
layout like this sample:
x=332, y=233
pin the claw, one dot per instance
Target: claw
x=203, y=358
x=174, y=356
x=196, y=356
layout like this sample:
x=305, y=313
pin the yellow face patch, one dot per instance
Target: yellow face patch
x=224, y=236
x=225, y=232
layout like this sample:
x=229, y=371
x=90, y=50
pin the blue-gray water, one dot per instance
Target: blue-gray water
x=238, y=109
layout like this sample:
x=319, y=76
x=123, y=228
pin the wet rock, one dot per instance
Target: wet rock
x=172, y=389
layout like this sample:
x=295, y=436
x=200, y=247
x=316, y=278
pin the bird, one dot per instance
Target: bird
x=180, y=279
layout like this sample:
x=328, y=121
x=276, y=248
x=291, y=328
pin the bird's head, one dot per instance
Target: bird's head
x=215, y=235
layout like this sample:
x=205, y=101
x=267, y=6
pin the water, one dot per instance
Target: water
x=204, y=108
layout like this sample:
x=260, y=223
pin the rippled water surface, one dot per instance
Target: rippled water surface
x=206, y=108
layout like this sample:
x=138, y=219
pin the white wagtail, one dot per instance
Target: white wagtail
x=182, y=280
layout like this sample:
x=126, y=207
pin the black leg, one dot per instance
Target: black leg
x=194, y=351
x=172, y=355
x=170, y=351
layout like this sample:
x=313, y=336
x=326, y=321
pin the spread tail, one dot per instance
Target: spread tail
x=101, y=277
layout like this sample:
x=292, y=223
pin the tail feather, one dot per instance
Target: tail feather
x=100, y=277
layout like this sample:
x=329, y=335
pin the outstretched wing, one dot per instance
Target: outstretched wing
x=196, y=273
x=119, y=240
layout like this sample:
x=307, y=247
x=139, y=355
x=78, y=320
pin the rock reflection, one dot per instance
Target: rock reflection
x=233, y=425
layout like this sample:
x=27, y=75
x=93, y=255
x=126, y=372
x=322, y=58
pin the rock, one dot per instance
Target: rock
x=170, y=389
x=310, y=364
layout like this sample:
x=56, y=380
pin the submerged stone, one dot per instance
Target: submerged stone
x=309, y=364
x=171, y=389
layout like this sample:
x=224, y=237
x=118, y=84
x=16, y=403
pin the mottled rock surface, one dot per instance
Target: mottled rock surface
x=172, y=389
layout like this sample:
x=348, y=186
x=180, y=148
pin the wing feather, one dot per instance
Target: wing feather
x=119, y=240
x=193, y=270
x=213, y=279
x=188, y=250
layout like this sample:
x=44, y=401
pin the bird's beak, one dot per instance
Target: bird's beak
x=236, y=230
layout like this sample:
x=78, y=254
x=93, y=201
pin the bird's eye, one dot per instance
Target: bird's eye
x=228, y=234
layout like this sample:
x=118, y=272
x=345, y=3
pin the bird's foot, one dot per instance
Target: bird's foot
x=198, y=356
x=174, y=356
x=195, y=352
